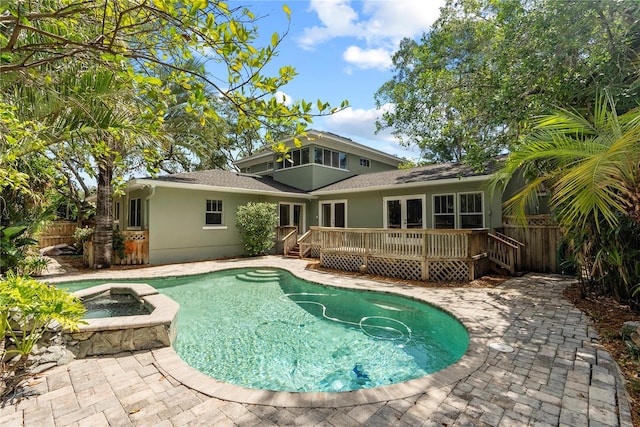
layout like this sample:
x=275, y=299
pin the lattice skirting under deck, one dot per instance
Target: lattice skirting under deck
x=315, y=252
x=400, y=268
x=411, y=269
x=344, y=262
x=481, y=267
x=448, y=271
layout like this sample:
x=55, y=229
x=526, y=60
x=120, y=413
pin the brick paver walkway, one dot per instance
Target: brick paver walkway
x=557, y=374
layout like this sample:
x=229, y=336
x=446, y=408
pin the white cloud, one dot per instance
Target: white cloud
x=379, y=24
x=360, y=125
x=283, y=98
x=367, y=58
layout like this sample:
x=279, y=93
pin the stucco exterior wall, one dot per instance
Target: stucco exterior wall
x=365, y=209
x=177, y=230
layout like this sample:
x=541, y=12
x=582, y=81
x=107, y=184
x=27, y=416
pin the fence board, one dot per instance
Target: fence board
x=57, y=233
x=541, y=238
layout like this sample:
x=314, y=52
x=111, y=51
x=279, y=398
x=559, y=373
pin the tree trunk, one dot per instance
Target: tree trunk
x=103, y=233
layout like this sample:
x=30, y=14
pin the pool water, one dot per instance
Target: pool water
x=114, y=305
x=267, y=329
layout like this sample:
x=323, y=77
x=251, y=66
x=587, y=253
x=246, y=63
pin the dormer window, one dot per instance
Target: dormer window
x=334, y=159
x=295, y=158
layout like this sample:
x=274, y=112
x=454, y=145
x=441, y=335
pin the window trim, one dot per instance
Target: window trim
x=221, y=212
x=333, y=212
x=403, y=199
x=433, y=210
x=460, y=214
x=130, y=225
x=303, y=222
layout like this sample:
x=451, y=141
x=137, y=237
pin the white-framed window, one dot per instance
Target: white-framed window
x=334, y=159
x=471, y=212
x=444, y=211
x=135, y=213
x=458, y=210
x=213, y=212
x=365, y=162
x=294, y=158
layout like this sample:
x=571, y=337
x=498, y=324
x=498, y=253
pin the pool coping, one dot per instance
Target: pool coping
x=171, y=365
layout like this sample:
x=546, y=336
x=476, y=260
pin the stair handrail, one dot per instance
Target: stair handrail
x=305, y=245
x=518, y=251
x=508, y=239
x=503, y=253
x=290, y=240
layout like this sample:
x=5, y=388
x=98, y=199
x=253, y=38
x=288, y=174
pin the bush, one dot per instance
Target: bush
x=82, y=235
x=13, y=246
x=32, y=265
x=27, y=307
x=257, y=222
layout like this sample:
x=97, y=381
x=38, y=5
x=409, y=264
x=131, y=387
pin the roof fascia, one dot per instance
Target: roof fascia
x=478, y=178
x=141, y=183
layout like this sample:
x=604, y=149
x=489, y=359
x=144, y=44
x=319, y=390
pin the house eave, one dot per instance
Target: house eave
x=142, y=183
x=478, y=178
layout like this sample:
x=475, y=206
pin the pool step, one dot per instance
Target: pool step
x=259, y=276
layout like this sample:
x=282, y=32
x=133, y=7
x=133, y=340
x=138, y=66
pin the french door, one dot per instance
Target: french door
x=333, y=213
x=292, y=214
x=404, y=211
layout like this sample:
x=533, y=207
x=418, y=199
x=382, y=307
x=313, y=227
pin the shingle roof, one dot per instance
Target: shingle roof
x=424, y=174
x=229, y=179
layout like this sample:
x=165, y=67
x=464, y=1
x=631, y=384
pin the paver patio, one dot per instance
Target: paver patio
x=557, y=375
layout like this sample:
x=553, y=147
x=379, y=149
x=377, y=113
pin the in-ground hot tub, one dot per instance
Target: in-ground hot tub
x=123, y=317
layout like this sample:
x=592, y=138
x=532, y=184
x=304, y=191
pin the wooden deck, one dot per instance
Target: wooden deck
x=418, y=254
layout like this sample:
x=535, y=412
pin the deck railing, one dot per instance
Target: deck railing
x=403, y=243
x=425, y=254
x=286, y=238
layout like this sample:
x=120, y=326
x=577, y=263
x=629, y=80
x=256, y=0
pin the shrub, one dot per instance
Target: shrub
x=257, y=222
x=32, y=265
x=27, y=307
x=117, y=244
x=82, y=235
x=13, y=246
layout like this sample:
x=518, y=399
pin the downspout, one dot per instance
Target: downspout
x=146, y=204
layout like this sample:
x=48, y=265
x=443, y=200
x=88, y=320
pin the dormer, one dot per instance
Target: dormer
x=322, y=159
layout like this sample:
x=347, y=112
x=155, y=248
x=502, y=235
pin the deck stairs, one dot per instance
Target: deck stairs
x=294, y=252
x=505, y=254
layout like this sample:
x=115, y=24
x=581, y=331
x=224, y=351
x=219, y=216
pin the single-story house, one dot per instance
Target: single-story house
x=329, y=181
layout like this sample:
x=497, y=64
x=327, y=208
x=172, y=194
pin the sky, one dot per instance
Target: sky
x=341, y=50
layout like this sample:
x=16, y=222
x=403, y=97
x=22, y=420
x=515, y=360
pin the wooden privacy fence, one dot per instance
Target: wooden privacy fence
x=541, y=238
x=136, y=250
x=417, y=254
x=57, y=233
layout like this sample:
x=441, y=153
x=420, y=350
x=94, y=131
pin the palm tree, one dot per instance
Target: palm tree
x=590, y=165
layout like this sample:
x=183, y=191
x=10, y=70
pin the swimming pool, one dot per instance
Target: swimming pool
x=267, y=329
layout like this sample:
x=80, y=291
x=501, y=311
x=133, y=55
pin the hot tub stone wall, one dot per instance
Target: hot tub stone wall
x=83, y=344
x=111, y=335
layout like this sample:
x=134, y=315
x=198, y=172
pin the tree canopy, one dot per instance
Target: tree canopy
x=468, y=87
x=107, y=87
